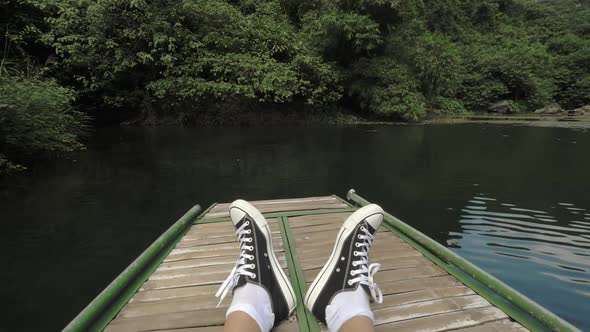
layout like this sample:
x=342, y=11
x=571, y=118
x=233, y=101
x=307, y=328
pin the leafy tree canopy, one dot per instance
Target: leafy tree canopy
x=393, y=59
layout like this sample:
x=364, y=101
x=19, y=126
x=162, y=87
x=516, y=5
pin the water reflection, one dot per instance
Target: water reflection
x=79, y=222
x=541, y=243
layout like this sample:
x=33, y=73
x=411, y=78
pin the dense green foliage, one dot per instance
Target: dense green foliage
x=36, y=117
x=36, y=114
x=393, y=59
x=390, y=58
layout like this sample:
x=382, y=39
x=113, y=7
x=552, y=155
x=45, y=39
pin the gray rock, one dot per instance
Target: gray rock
x=501, y=107
x=551, y=109
x=579, y=111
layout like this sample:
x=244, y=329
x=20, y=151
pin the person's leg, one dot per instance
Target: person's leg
x=239, y=321
x=262, y=294
x=356, y=324
x=251, y=303
x=341, y=293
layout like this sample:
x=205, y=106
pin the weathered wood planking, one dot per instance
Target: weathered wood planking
x=418, y=295
x=283, y=205
x=179, y=295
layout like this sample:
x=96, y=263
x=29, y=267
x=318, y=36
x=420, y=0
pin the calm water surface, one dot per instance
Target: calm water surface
x=513, y=200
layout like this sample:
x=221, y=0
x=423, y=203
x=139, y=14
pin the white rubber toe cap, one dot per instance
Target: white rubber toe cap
x=240, y=207
x=372, y=213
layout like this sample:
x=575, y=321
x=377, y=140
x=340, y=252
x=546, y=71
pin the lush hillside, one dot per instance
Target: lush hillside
x=196, y=60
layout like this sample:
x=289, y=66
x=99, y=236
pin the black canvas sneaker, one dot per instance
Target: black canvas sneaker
x=257, y=263
x=348, y=266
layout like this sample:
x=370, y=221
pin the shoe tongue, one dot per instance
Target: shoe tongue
x=241, y=282
x=242, y=221
x=367, y=290
x=369, y=227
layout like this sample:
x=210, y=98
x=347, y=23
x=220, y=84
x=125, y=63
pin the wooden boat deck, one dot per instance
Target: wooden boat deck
x=418, y=295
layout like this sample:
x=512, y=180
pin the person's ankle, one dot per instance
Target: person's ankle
x=254, y=301
x=346, y=306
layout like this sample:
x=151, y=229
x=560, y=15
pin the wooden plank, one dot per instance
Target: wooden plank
x=172, y=293
x=313, y=234
x=387, y=262
x=190, y=303
x=218, y=328
x=285, y=326
x=213, y=278
x=198, y=235
x=392, y=275
x=375, y=252
x=496, y=326
x=315, y=220
x=286, y=207
x=192, y=242
x=428, y=308
x=210, y=251
x=445, y=322
x=176, y=320
x=211, y=275
x=218, y=235
x=197, y=255
x=205, y=263
x=326, y=242
x=188, y=243
x=286, y=201
x=202, y=270
x=197, y=262
x=223, y=210
x=422, y=295
x=408, y=285
x=331, y=227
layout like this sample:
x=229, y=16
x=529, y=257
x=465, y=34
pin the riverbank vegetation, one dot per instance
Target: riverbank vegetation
x=195, y=61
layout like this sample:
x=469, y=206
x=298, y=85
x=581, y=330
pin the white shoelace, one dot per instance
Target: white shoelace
x=365, y=268
x=241, y=268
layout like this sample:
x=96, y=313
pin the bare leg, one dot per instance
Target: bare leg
x=240, y=321
x=357, y=324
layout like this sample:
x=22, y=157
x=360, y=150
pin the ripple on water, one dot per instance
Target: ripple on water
x=554, y=245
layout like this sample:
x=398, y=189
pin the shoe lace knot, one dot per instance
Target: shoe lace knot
x=365, y=271
x=242, y=267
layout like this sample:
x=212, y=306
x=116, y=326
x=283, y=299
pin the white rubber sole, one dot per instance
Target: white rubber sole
x=349, y=225
x=284, y=282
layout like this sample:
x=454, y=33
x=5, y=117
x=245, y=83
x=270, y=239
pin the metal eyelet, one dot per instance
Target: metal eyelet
x=354, y=263
x=352, y=273
x=248, y=231
x=349, y=282
x=358, y=236
x=247, y=223
x=355, y=253
x=357, y=244
x=252, y=266
x=254, y=276
x=363, y=228
x=251, y=248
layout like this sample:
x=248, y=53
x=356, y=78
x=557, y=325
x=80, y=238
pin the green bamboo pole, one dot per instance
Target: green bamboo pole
x=546, y=317
x=85, y=321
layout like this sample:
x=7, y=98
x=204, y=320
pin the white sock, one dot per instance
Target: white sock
x=254, y=301
x=347, y=305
